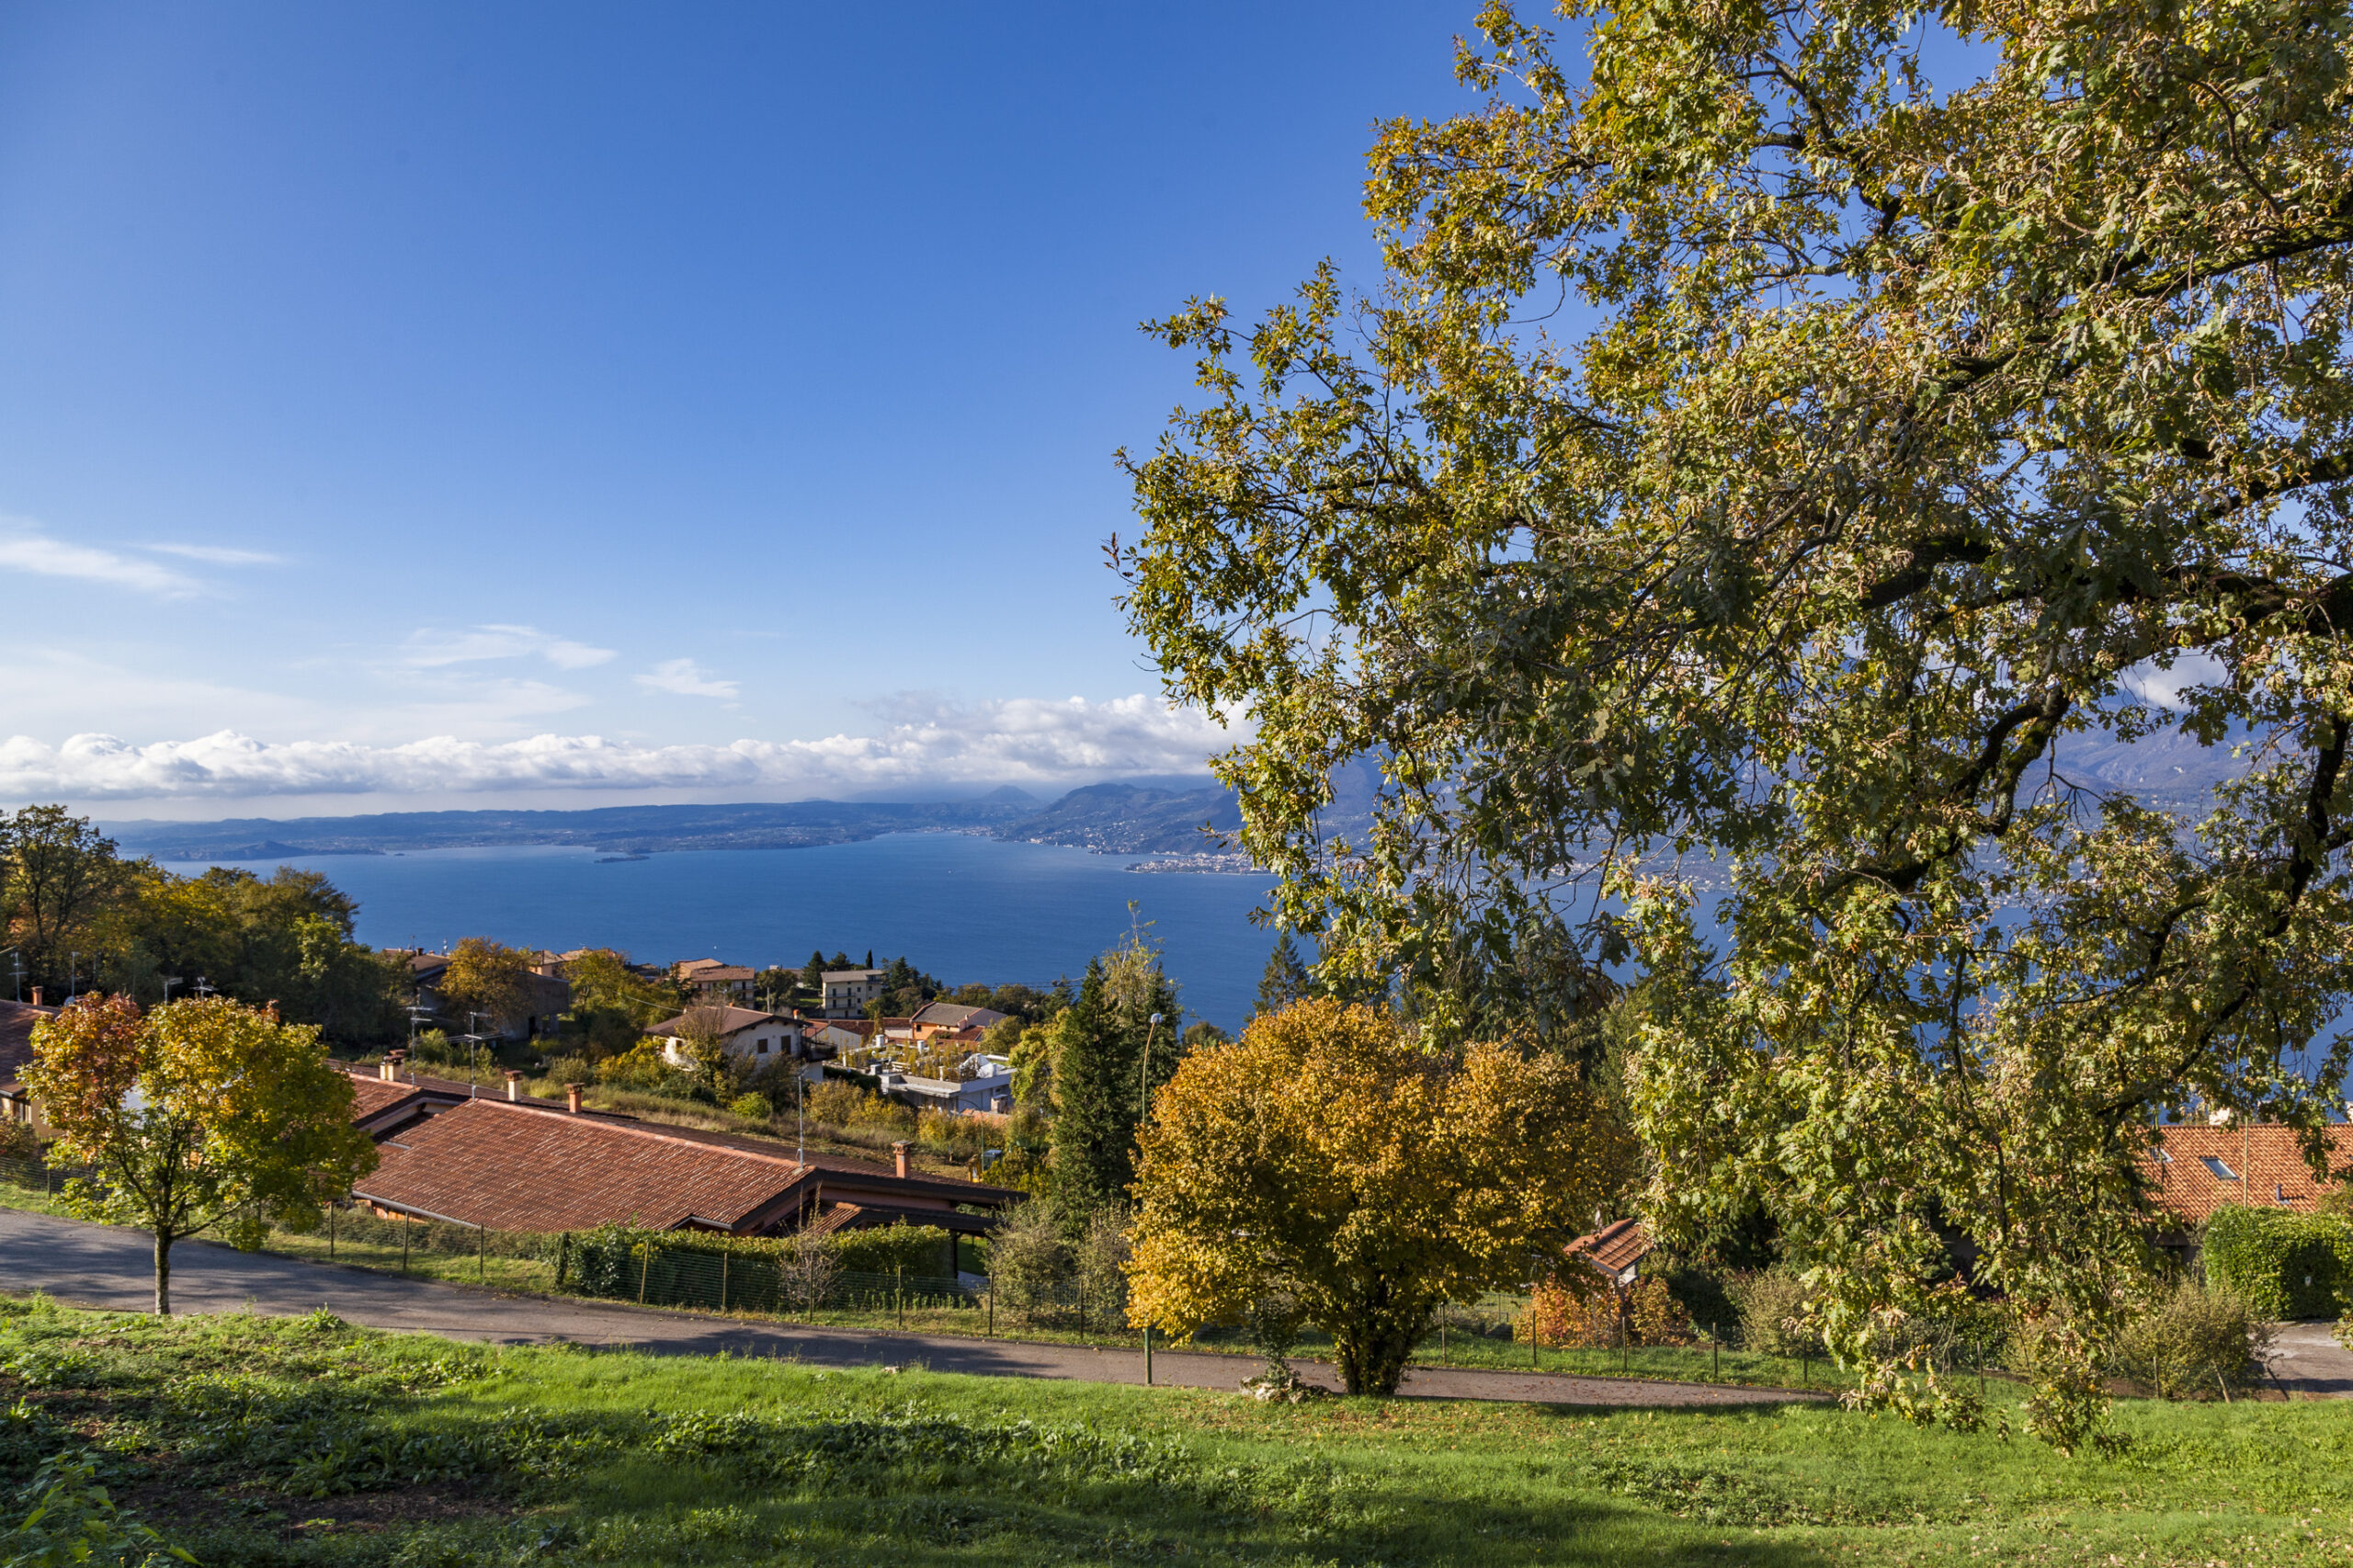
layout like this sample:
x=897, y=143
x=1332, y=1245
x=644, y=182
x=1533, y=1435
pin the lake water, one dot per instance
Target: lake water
x=962, y=907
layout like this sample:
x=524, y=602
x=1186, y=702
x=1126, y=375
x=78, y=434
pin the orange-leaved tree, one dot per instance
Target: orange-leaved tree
x=199, y=1113
x=1328, y=1157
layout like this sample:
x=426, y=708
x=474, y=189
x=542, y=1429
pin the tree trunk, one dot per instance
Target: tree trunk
x=163, y=1274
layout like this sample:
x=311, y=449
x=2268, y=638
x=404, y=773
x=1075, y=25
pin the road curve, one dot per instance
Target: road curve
x=102, y=1267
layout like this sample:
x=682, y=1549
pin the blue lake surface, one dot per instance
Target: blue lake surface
x=962, y=907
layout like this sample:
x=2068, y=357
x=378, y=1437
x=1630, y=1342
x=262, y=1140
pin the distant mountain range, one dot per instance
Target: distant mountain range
x=1114, y=819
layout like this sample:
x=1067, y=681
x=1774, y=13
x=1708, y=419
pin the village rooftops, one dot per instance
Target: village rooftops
x=405, y=1111
x=955, y=1016
x=2200, y=1168
x=16, y=1021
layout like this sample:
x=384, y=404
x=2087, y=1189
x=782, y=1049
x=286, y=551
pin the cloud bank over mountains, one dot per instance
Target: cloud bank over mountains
x=1017, y=741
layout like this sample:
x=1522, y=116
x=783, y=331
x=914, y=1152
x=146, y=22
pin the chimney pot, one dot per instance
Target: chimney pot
x=572, y=1099
x=899, y=1156
x=514, y=1083
x=36, y=995
x=388, y=1070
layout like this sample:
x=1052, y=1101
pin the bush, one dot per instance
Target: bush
x=956, y=1137
x=2192, y=1342
x=1027, y=1257
x=570, y=1069
x=2283, y=1265
x=1772, y=1304
x=918, y=1249
x=1579, y=1308
x=752, y=1107
x=833, y=1103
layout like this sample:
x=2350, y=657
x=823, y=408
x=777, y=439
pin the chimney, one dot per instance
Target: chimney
x=572, y=1099
x=36, y=995
x=899, y=1156
x=514, y=1083
x=394, y=1060
x=388, y=1070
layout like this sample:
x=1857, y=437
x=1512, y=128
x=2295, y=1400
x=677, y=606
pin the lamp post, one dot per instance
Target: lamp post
x=169, y=981
x=1143, y=1072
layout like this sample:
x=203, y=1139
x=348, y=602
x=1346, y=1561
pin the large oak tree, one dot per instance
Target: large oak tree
x=1759, y=453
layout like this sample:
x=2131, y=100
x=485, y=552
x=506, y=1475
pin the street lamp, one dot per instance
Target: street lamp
x=1143, y=1074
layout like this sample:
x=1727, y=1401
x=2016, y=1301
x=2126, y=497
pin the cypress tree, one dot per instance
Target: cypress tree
x=1093, y=1156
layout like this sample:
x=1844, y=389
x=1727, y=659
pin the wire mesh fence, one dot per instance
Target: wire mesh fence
x=34, y=1172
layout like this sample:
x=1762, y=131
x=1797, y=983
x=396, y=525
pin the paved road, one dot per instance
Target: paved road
x=97, y=1266
x=2308, y=1363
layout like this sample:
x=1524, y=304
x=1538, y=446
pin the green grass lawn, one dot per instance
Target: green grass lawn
x=258, y=1441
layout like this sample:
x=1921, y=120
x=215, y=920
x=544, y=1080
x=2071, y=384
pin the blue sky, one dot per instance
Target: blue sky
x=414, y=392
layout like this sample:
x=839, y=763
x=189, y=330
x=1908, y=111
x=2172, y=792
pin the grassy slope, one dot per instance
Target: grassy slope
x=260, y=1441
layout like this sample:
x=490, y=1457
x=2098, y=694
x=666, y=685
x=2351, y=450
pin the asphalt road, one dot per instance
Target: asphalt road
x=95, y=1266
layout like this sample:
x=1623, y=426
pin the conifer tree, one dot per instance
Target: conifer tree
x=1094, y=1125
x=1284, y=982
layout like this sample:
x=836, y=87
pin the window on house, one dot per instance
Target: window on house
x=2222, y=1172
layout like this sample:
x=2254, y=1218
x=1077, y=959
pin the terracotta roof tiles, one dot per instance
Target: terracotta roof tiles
x=2206, y=1165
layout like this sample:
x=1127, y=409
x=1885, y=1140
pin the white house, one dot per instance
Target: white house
x=754, y=1037
x=849, y=991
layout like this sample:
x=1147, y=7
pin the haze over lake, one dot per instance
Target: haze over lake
x=963, y=907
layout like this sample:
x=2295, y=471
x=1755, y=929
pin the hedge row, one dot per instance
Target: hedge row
x=2283, y=1265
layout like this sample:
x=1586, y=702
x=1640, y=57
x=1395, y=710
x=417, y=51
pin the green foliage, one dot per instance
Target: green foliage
x=1285, y=980
x=1924, y=433
x=2282, y=1265
x=70, y=1522
x=2192, y=1342
x=752, y=1107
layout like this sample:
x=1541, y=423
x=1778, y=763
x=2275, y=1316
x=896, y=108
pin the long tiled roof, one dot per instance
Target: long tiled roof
x=16, y=1021
x=371, y=1095
x=2205, y=1167
x=519, y=1169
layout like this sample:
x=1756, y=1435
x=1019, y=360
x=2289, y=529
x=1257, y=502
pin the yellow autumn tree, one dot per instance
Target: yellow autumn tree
x=1326, y=1157
x=203, y=1112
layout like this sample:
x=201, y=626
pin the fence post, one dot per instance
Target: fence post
x=562, y=1257
x=644, y=1270
x=991, y=1308
x=481, y=1252
x=330, y=1230
x=1441, y=1340
x=1716, y=1351
x=1147, y=1354
x=722, y=1281
x=900, y=1291
x=403, y=1244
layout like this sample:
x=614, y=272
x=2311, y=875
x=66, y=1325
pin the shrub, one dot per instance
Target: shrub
x=1772, y=1304
x=644, y=1069
x=752, y=1107
x=835, y=1103
x=918, y=1249
x=2190, y=1341
x=2283, y=1265
x=1565, y=1313
x=1027, y=1257
x=1656, y=1316
x=957, y=1137
x=570, y=1069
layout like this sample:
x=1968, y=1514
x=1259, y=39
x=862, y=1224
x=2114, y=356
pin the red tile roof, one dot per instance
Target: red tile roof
x=2206, y=1165
x=16, y=1021
x=371, y=1093
x=1614, y=1248
x=520, y=1169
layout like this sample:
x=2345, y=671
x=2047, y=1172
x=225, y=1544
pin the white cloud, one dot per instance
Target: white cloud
x=1021, y=741
x=684, y=678
x=219, y=554
x=24, y=548
x=430, y=649
x=2165, y=687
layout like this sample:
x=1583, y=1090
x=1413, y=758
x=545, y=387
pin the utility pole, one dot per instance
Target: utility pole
x=73, y=963
x=474, y=1049
x=18, y=960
